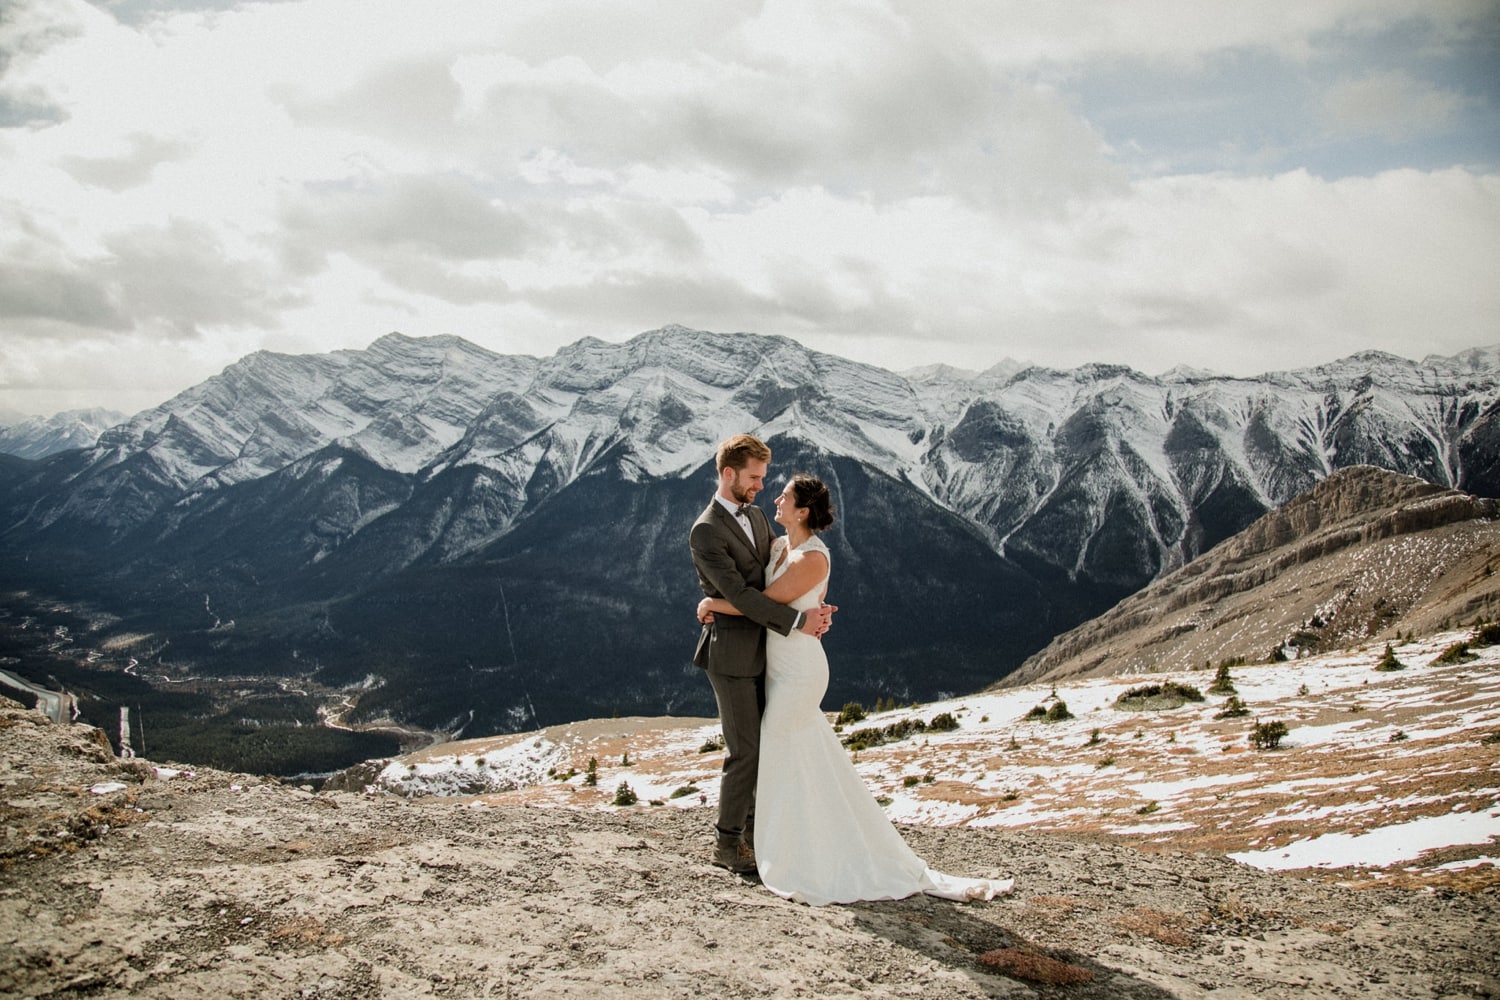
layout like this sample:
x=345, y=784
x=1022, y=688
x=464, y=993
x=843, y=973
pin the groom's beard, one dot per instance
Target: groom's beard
x=742, y=494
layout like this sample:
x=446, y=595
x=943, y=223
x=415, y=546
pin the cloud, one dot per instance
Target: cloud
x=442, y=216
x=409, y=100
x=177, y=278
x=29, y=291
x=144, y=153
x=26, y=32
x=1225, y=185
x=1394, y=106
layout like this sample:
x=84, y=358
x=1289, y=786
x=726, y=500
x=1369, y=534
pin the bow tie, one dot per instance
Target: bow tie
x=744, y=509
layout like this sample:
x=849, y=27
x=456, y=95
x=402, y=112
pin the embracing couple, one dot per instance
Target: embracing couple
x=791, y=806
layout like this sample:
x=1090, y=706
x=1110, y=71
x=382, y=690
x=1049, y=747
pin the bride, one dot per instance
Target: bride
x=820, y=836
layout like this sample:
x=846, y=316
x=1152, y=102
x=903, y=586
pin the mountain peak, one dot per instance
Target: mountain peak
x=1188, y=374
x=1474, y=360
x=38, y=437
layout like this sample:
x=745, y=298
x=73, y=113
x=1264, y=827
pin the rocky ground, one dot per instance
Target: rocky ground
x=121, y=878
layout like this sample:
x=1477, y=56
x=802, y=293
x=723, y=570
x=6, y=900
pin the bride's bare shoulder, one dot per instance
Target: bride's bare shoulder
x=810, y=548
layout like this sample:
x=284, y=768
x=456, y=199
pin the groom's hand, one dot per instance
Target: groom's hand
x=819, y=620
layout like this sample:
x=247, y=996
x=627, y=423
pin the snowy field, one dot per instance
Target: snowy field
x=1389, y=775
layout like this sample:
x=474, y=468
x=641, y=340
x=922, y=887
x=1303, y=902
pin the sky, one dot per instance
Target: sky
x=1235, y=187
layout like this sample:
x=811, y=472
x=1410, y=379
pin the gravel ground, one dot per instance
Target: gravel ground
x=117, y=879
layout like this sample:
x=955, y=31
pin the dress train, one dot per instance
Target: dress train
x=820, y=836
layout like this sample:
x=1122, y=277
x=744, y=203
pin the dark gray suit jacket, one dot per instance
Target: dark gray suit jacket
x=730, y=567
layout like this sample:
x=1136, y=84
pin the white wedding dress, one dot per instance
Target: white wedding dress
x=820, y=836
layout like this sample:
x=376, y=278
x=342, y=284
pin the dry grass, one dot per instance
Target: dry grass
x=1034, y=967
x=1236, y=910
x=307, y=932
x=1054, y=907
x=1159, y=925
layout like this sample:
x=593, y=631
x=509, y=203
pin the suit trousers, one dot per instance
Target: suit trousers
x=741, y=700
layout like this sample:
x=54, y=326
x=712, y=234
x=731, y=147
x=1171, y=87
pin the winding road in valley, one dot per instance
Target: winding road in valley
x=57, y=706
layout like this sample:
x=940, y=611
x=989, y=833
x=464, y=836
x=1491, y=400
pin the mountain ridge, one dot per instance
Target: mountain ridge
x=1297, y=580
x=413, y=510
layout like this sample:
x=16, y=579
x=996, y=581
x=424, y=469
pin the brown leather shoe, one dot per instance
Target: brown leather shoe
x=734, y=856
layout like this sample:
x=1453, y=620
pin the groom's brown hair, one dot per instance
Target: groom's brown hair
x=735, y=452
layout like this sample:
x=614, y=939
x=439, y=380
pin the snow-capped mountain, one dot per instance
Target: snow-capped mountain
x=514, y=527
x=38, y=437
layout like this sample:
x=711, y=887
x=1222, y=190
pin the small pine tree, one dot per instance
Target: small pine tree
x=852, y=712
x=591, y=776
x=1223, y=683
x=1388, y=661
x=625, y=795
x=1058, y=712
x=1233, y=709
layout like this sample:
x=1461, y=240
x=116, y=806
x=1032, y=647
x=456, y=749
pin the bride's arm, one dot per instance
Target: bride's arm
x=805, y=572
x=710, y=606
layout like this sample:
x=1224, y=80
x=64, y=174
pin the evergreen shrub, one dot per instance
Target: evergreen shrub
x=1268, y=735
x=1157, y=697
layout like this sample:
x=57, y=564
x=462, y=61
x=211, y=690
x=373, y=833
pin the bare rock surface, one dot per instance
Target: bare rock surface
x=121, y=878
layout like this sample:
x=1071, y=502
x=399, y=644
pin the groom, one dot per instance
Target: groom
x=731, y=543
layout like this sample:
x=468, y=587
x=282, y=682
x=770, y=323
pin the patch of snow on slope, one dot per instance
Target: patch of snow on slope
x=518, y=765
x=1381, y=847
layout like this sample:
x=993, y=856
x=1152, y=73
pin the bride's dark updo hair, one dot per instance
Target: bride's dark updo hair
x=809, y=491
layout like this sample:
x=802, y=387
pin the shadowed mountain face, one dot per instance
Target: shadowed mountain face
x=1367, y=553
x=496, y=542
